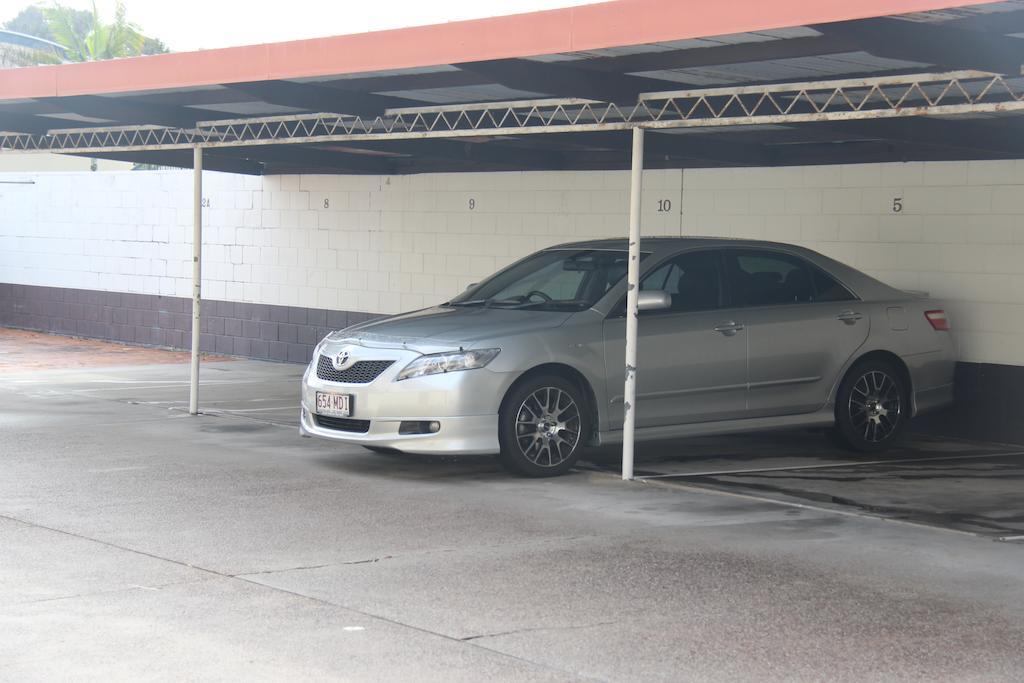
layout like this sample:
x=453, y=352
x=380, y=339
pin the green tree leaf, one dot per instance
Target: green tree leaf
x=93, y=39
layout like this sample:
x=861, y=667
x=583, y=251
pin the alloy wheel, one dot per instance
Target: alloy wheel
x=548, y=427
x=875, y=406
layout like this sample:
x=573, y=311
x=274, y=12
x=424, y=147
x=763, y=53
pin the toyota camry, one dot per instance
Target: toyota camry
x=734, y=336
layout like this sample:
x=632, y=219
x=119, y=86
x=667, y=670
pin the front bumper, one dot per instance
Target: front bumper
x=467, y=435
x=465, y=403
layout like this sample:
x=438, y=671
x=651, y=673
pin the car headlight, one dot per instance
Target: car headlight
x=436, y=363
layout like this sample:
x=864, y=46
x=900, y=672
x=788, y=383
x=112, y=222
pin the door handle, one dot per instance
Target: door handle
x=849, y=317
x=729, y=329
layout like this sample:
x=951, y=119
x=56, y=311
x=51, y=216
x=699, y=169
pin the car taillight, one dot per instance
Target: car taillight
x=938, y=320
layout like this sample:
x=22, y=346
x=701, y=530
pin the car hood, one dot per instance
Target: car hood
x=446, y=327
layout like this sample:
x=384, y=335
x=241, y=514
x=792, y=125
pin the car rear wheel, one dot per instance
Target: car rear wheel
x=542, y=426
x=872, y=407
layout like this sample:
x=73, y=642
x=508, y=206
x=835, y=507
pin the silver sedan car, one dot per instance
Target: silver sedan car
x=734, y=336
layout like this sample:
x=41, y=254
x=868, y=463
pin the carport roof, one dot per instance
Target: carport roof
x=609, y=51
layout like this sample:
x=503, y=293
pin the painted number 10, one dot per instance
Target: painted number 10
x=664, y=205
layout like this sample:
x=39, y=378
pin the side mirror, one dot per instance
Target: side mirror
x=471, y=285
x=653, y=300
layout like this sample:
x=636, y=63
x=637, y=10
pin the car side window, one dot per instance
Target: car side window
x=762, y=278
x=827, y=289
x=765, y=278
x=691, y=280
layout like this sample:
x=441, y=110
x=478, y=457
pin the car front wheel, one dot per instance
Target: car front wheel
x=872, y=407
x=543, y=424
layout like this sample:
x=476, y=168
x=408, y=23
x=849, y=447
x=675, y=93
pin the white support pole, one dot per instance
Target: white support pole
x=633, y=288
x=197, y=253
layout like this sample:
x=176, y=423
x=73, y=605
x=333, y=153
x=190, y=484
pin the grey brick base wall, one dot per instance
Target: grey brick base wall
x=282, y=333
x=989, y=404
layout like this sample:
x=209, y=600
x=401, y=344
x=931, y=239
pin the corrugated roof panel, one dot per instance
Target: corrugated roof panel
x=162, y=91
x=465, y=93
x=250, y=108
x=626, y=50
x=688, y=44
x=76, y=117
x=791, y=32
x=549, y=59
x=953, y=13
x=377, y=74
x=797, y=69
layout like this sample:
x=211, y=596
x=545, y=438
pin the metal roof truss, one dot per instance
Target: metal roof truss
x=949, y=94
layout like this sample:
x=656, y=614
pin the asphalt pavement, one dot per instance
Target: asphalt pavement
x=139, y=542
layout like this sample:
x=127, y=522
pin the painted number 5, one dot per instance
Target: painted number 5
x=897, y=204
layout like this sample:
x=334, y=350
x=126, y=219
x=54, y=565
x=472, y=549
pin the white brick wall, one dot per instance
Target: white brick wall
x=387, y=244
x=366, y=243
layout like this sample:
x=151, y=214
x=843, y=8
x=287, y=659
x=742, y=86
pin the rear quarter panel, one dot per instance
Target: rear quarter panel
x=899, y=326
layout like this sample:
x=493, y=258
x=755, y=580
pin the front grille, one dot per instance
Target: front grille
x=343, y=424
x=361, y=372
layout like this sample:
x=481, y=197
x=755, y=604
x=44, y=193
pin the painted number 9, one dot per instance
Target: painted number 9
x=472, y=204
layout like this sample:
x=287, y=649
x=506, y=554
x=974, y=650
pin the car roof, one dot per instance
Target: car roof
x=657, y=244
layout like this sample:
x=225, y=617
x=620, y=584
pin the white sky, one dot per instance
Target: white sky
x=195, y=24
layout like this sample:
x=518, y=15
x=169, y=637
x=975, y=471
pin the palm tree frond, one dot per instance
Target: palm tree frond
x=99, y=40
x=61, y=22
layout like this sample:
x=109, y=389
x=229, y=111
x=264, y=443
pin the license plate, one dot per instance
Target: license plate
x=336, y=405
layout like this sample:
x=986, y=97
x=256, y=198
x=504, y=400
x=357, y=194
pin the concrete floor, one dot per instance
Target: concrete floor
x=966, y=486
x=138, y=542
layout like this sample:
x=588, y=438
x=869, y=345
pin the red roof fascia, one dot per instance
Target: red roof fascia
x=587, y=27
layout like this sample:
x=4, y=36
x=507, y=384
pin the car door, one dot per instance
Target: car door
x=691, y=358
x=802, y=327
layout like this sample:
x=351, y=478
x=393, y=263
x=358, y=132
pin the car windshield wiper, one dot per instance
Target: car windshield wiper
x=486, y=302
x=518, y=303
x=471, y=302
x=507, y=303
x=571, y=305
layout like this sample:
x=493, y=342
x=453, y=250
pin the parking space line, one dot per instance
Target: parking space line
x=230, y=411
x=252, y=418
x=244, y=400
x=698, y=488
x=178, y=402
x=127, y=423
x=159, y=386
x=828, y=466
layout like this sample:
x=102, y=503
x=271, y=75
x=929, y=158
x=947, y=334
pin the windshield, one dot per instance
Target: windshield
x=556, y=280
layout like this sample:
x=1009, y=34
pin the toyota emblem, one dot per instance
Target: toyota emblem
x=340, y=360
